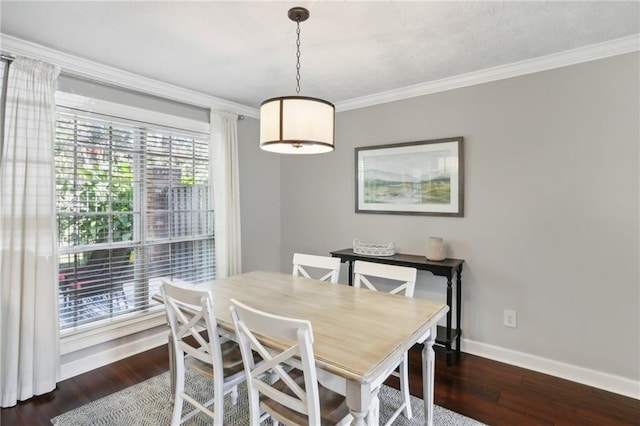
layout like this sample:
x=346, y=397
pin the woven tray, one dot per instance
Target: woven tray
x=374, y=249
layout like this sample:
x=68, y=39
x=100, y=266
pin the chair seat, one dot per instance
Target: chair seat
x=231, y=361
x=333, y=406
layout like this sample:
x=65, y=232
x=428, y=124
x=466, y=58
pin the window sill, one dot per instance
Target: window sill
x=78, y=340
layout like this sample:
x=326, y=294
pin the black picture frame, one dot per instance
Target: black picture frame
x=412, y=178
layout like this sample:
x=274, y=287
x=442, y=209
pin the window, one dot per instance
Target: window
x=134, y=204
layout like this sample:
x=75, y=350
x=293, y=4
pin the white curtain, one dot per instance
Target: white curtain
x=226, y=189
x=29, y=348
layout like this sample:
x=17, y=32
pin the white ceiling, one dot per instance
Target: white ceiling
x=245, y=51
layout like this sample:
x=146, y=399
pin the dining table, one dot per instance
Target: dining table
x=360, y=335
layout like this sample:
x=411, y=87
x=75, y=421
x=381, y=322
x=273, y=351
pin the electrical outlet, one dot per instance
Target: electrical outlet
x=509, y=318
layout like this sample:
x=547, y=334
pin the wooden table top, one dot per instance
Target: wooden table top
x=358, y=332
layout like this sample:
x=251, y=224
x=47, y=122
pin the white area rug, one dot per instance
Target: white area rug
x=147, y=404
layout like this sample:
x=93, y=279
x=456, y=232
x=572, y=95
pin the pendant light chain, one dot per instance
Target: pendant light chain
x=298, y=58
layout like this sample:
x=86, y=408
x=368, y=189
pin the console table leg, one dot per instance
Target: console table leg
x=458, y=309
x=449, y=303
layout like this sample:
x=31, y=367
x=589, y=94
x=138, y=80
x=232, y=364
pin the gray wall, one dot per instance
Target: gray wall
x=259, y=200
x=551, y=226
x=93, y=89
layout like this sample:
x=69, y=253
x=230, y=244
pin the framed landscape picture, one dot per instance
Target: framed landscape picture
x=414, y=178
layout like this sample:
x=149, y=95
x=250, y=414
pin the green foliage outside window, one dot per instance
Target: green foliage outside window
x=99, y=199
x=94, y=185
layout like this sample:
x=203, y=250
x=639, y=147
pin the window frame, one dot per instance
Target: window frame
x=85, y=336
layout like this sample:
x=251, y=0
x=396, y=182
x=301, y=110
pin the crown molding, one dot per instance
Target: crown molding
x=104, y=74
x=91, y=70
x=557, y=60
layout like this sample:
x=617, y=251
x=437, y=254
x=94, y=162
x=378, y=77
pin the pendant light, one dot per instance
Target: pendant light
x=297, y=124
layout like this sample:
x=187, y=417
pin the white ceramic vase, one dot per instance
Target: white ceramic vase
x=435, y=249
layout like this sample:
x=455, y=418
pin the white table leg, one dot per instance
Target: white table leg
x=358, y=418
x=373, y=419
x=428, y=372
x=359, y=400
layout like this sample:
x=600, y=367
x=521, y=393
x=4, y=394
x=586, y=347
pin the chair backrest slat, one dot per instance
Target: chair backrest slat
x=302, y=264
x=186, y=309
x=363, y=271
x=190, y=313
x=252, y=325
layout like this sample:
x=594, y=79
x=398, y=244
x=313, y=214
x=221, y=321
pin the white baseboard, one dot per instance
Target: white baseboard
x=77, y=363
x=598, y=379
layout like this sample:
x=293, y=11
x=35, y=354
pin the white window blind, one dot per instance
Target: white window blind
x=134, y=205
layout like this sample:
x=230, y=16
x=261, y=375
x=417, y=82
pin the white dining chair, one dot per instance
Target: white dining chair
x=400, y=280
x=303, y=264
x=220, y=361
x=296, y=398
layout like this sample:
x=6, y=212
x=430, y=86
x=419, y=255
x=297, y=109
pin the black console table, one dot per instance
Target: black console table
x=447, y=268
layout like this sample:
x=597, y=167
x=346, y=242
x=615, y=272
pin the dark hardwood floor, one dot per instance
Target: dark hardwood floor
x=488, y=391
